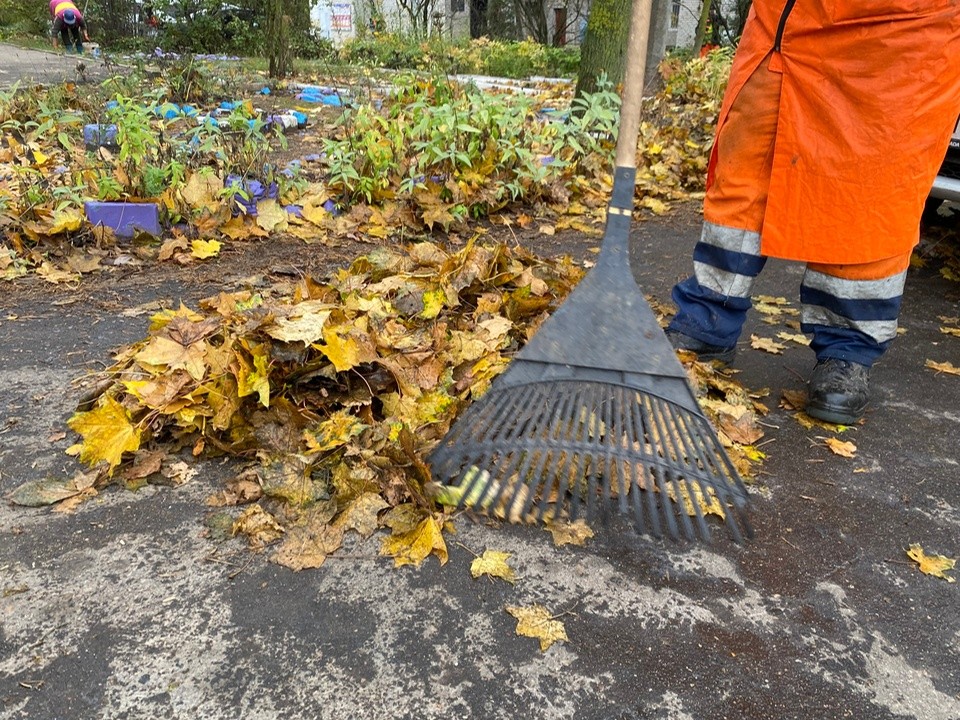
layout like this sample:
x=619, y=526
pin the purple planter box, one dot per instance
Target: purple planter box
x=126, y=219
x=95, y=136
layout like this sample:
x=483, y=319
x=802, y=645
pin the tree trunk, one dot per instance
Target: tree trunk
x=278, y=38
x=701, y=27
x=603, y=48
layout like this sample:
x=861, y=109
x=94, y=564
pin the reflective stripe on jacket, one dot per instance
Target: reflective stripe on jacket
x=870, y=95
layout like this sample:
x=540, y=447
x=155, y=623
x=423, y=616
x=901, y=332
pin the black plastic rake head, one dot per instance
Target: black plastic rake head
x=573, y=448
x=596, y=409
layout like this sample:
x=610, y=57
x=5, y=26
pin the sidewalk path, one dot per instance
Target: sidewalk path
x=124, y=610
x=44, y=66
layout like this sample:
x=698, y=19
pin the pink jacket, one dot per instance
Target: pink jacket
x=59, y=7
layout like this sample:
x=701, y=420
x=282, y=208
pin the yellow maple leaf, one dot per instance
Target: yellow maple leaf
x=935, y=565
x=494, y=564
x=304, y=323
x=536, y=622
x=341, y=349
x=107, y=431
x=271, y=216
x=337, y=430
x=202, y=191
x=414, y=546
x=767, y=345
x=794, y=337
x=164, y=352
x=567, y=533
x=203, y=249
x=944, y=367
x=433, y=302
x=841, y=448
x=66, y=221
x=255, y=378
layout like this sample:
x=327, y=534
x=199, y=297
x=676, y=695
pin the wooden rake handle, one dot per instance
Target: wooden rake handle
x=633, y=82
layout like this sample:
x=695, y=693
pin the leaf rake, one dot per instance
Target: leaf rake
x=596, y=410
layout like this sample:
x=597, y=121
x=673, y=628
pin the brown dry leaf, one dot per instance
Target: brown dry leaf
x=145, y=463
x=50, y=491
x=178, y=473
x=304, y=322
x=767, y=345
x=362, y=514
x=202, y=191
x=260, y=527
x=839, y=447
x=241, y=490
x=494, y=564
x=536, y=622
x=793, y=399
x=935, y=565
x=944, y=367
x=71, y=504
x=56, y=276
x=797, y=338
x=82, y=262
x=567, y=533
x=743, y=429
x=162, y=352
x=307, y=545
x=169, y=247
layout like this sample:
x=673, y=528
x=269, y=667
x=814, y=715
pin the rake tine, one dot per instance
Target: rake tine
x=519, y=408
x=633, y=492
x=731, y=502
x=526, y=415
x=677, y=475
x=693, y=453
x=649, y=469
x=668, y=442
x=611, y=438
x=599, y=429
x=553, y=477
x=627, y=434
x=539, y=478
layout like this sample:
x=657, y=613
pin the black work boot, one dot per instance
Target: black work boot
x=705, y=352
x=839, y=391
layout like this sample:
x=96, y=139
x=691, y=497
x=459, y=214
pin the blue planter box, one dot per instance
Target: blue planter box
x=126, y=219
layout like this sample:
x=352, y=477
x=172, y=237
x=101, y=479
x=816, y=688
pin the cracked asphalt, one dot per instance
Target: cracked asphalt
x=126, y=610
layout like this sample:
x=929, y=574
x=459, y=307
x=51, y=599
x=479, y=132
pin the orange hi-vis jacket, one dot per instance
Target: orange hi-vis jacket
x=870, y=94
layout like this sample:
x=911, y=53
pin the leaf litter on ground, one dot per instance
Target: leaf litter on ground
x=331, y=393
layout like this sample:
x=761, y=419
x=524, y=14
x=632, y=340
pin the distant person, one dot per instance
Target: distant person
x=69, y=24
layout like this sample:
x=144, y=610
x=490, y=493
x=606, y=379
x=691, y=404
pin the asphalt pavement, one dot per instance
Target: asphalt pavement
x=47, y=67
x=125, y=610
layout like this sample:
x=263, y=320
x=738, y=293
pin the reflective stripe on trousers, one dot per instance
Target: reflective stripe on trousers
x=851, y=310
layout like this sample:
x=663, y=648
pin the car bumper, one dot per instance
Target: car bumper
x=946, y=188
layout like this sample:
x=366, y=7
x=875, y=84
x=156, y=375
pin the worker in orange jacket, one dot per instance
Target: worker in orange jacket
x=835, y=121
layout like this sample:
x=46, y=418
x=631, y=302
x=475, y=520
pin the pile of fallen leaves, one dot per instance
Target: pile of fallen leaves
x=335, y=392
